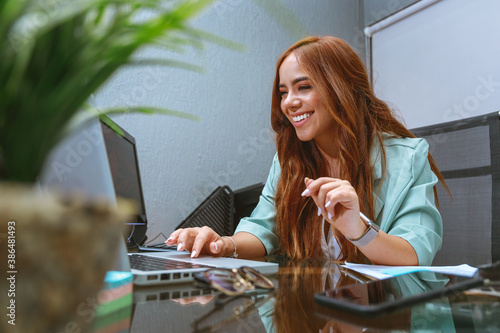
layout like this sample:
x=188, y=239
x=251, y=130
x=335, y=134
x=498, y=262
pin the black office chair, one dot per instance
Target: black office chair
x=216, y=212
x=223, y=209
x=467, y=153
x=245, y=200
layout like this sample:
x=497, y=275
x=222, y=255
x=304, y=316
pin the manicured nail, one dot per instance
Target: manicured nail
x=329, y=216
x=327, y=204
x=169, y=239
x=319, y=211
x=306, y=180
x=216, y=247
x=193, y=254
x=306, y=192
x=179, y=246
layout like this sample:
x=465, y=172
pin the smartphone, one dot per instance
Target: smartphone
x=383, y=296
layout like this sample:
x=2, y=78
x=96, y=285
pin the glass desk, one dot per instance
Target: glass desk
x=291, y=308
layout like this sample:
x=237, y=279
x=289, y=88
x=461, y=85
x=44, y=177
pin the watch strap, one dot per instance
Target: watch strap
x=369, y=235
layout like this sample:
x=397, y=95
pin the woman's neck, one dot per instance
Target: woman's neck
x=331, y=157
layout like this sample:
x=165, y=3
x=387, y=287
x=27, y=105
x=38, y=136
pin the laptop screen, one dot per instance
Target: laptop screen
x=124, y=167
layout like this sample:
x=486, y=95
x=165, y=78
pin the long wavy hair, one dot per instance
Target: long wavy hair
x=340, y=81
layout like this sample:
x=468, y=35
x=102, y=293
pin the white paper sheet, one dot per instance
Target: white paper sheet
x=384, y=272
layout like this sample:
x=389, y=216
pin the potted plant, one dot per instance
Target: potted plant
x=53, y=56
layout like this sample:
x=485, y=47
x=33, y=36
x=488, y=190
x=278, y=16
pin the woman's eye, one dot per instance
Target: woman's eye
x=282, y=93
x=305, y=87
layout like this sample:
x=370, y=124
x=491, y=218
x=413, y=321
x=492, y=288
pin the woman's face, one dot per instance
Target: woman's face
x=301, y=104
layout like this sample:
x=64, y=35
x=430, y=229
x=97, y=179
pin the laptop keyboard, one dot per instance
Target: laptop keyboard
x=147, y=263
x=158, y=248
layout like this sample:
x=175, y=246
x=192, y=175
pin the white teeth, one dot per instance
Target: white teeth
x=303, y=116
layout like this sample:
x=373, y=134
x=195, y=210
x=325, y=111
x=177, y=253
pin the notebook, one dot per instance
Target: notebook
x=112, y=157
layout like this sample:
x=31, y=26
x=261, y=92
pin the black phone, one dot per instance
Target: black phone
x=383, y=296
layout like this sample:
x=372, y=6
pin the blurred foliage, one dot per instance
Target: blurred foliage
x=56, y=53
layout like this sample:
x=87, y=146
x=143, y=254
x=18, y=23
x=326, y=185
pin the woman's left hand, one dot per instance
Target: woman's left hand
x=338, y=202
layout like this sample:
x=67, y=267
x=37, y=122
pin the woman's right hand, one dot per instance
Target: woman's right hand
x=199, y=241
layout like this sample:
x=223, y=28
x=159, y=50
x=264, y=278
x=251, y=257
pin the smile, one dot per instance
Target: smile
x=301, y=117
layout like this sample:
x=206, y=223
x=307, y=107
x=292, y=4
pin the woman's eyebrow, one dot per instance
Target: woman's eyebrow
x=295, y=81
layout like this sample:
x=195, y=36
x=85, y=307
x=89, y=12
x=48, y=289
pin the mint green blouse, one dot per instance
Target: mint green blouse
x=404, y=199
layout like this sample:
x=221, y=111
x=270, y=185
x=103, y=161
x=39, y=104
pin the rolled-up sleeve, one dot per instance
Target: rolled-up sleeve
x=410, y=210
x=262, y=221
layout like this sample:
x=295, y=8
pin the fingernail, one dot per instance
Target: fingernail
x=327, y=204
x=319, y=211
x=216, y=247
x=193, y=254
x=306, y=180
x=306, y=192
x=169, y=239
x=329, y=216
x=179, y=246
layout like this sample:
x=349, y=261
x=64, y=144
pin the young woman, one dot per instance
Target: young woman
x=341, y=156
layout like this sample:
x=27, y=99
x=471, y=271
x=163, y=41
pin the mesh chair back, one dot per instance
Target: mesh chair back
x=467, y=153
x=216, y=212
x=245, y=200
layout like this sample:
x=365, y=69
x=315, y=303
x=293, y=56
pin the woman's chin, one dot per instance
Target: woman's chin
x=303, y=136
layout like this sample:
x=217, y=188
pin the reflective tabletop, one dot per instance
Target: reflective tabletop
x=291, y=307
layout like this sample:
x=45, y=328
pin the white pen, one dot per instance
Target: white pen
x=364, y=218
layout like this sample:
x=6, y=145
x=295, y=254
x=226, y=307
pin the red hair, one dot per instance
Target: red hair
x=341, y=82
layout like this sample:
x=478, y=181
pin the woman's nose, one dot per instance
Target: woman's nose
x=292, y=102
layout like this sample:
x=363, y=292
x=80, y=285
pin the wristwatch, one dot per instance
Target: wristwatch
x=370, y=233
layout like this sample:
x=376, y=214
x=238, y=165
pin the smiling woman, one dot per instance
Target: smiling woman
x=341, y=154
x=301, y=105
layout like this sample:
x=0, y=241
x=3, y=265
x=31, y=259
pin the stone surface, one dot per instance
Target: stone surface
x=63, y=248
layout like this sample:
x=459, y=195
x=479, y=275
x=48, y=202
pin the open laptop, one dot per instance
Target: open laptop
x=109, y=167
x=178, y=267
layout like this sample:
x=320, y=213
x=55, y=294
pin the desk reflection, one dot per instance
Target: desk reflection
x=291, y=307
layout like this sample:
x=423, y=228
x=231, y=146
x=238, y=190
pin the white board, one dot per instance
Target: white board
x=438, y=61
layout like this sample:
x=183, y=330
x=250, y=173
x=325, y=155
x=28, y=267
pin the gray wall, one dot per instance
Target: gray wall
x=376, y=10
x=183, y=161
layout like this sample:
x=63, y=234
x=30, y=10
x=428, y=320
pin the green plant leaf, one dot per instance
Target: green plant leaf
x=56, y=54
x=151, y=110
x=167, y=63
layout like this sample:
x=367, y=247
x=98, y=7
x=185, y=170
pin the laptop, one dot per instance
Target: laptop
x=115, y=173
x=177, y=267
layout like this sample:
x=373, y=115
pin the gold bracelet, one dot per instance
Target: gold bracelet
x=235, y=254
